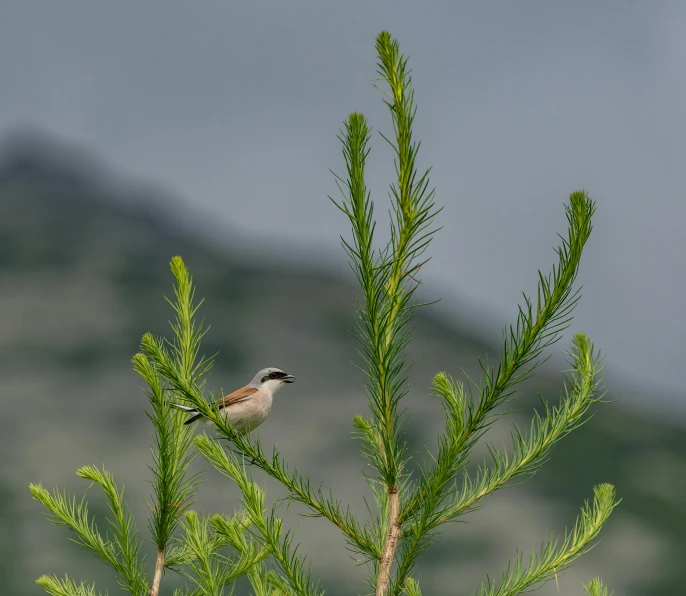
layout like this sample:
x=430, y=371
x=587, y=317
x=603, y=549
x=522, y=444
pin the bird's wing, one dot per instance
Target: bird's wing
x=239, y=395
x=228, y=400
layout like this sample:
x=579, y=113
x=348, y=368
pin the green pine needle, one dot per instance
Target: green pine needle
x=596, y=588
x=65, y=587
x=554, y=557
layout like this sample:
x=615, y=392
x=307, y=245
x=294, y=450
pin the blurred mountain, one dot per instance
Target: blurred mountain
x=84, y=267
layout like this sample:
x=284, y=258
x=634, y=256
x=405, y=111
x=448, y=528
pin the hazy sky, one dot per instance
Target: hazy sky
x=235, y=107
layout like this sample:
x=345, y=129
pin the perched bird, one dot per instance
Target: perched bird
x=248, y=407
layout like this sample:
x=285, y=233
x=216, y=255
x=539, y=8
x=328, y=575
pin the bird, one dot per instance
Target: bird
x=247, y=407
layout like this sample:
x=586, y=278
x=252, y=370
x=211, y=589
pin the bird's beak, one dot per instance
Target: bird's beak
x=289, y=379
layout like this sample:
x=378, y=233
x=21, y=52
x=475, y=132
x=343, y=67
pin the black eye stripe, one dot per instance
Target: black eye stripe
x=274, y=375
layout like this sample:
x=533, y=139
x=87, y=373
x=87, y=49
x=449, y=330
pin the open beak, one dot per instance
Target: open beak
x=289, y=379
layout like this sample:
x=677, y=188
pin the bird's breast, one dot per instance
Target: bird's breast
x=249, y=414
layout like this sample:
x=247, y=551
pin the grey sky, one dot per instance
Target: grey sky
x=235, y=105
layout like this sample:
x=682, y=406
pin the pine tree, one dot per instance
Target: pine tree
x=213, y=553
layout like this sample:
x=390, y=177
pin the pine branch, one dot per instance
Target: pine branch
x=125, y=543
x=65, y=587
x=582, y=389
x=536, y=329
x=200, y=551
x=182, y=554
x=529, y=453
x=553, y=559
x=269, y=527
x=386, y=277
x=68, y=512
x=278, y=585
x=414, y=211
x=211, y=571
x=411, y=588
x=174, y=488
x=300, y=488
x=596, y=588
x=187, y=335
x=268, y=583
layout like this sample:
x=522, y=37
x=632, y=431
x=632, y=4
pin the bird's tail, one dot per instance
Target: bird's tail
x=184, y=408
x=188, y=409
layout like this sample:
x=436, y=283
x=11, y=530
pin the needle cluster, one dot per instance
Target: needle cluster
x=411, y=507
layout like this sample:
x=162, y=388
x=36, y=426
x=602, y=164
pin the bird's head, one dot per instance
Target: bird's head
x=271, y=379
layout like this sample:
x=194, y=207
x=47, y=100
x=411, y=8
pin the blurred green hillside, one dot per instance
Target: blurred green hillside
x=83, y=271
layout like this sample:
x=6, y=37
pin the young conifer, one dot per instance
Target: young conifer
x=213, y=553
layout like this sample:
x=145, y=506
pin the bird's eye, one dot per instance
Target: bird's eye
x=274, y=375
